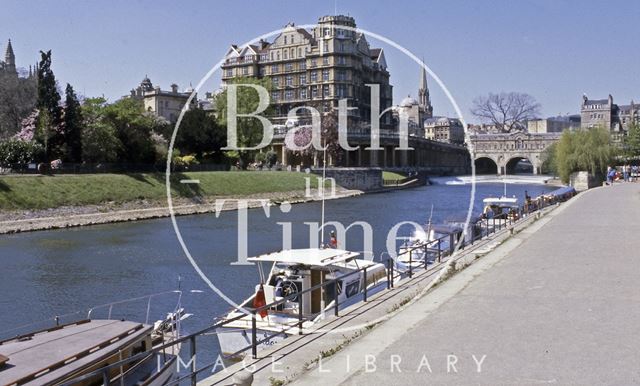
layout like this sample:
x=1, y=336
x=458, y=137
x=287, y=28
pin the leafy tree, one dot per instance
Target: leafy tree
x=100, y=142
x=48, y=102
x=584, y=150
x=72, y=126
x=508, y=111
x=632, y=140
x=133, y=127
x=249, y=130
x=199, y=133
x=17, y=101
x=549, y=160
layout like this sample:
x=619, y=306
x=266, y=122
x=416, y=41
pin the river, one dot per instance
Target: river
x=59, y=272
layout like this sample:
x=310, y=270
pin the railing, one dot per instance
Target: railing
x=433, y=247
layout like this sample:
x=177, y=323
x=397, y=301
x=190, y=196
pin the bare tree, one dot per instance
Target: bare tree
x=508, y=111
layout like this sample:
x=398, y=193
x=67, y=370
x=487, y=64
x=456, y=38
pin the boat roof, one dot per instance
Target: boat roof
x=56, y=354
x=501, y=201
x=309, y=256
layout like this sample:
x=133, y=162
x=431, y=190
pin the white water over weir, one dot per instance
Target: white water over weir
x=508, y=179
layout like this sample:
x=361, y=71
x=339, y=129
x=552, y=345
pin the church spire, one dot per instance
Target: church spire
x=10, y=58
x=423, y=93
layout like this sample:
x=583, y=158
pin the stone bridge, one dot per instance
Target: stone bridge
x=499, y=153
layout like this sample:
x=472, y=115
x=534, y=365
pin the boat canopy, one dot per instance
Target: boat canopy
x=310, y=256
x=511, y=202
x=561, y=192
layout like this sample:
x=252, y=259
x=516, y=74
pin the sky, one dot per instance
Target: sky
x=555, y=50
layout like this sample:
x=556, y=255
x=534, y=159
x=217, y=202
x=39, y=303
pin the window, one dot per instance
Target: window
x=284, y=53
x=325, y=60
x=325, y=75
x=288, y=80
x=275, y=81
x=314, y=76
x=342, y=75
x=288, y=95
x=325, y=91
x=229, y=72
x=288, y=67
x=274, y=69
x=278, y=55
x=263, y=57
x=314, y=91
x=275, y=95
x=293, y=52
x=325, y=46
x=245, y=70
x=299, y=52
x=303, y=79
x=341, y=60
x=261, y=71
x=271, y=55
x=285, y=39
x=341, y=91
x=303, y=65
x=303, y=93
x=314, y=62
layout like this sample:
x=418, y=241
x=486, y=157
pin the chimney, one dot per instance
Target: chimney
x=174, y=88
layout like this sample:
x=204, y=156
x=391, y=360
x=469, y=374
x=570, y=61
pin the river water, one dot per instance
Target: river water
x=60, y=272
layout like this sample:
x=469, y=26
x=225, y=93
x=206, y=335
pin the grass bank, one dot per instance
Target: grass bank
x=41, y=192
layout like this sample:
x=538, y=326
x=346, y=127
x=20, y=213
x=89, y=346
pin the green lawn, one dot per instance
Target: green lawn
x=392, y=176
x=39, y=192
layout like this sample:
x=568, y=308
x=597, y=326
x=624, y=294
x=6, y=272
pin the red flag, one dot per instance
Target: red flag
x=260, y=301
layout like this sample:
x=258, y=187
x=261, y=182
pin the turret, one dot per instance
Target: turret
x=10, y=58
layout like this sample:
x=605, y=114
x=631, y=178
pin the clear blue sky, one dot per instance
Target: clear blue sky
x=555, y=50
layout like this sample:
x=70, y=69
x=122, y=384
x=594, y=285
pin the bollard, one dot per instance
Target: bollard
x=243, y=377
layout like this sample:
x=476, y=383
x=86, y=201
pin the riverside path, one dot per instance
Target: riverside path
x=562, y=306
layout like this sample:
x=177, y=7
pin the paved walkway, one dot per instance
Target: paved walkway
x=562, y=307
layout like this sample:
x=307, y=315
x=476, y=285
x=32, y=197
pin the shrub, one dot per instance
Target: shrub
x=14, y=151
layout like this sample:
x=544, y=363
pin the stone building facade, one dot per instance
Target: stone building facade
x=553, y=124
x=605, y=113
x=317, y=68
x=163, y=103
x=443, y=129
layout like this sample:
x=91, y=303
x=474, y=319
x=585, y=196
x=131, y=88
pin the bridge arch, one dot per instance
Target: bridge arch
x=486, y=165
x=522, y=164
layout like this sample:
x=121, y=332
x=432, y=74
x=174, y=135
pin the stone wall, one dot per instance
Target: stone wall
x=581, y=181
x=355, y=178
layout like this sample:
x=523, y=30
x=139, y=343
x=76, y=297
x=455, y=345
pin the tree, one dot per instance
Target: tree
x=72, y=126
x=507, y=111
x=249, y=130
x=199, y=133
x=584, y=150
x=549, y=162
x=48, y=102
x=632, y=140
x=133, y=127
x=17, y=101
x=100, y=142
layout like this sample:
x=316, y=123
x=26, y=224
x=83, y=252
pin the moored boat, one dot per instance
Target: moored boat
x=304, y=284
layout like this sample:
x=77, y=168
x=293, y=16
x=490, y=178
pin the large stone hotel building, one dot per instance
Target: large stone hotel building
x=316, y=68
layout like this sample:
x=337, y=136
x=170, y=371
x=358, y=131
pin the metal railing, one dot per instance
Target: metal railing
x=432, y=248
